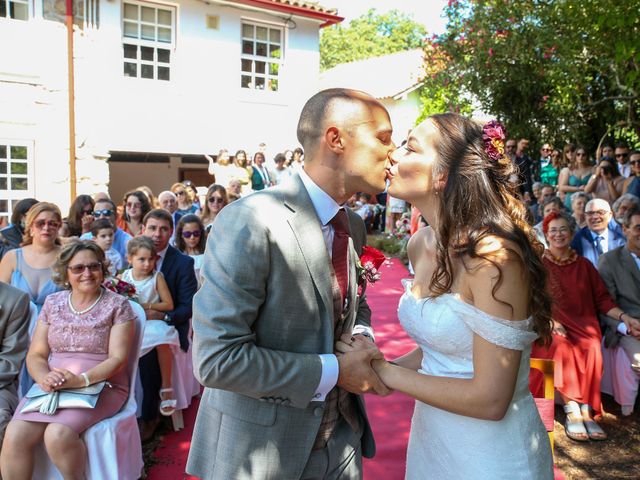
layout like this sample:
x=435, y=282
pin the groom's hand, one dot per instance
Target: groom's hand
x=355, y=373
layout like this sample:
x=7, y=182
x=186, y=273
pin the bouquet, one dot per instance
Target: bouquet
x=121, y=288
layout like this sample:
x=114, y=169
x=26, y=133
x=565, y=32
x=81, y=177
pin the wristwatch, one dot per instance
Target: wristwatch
x=166, y=318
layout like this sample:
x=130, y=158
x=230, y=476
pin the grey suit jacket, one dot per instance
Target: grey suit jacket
x=622, y=278
x=262, y=316
x=14, y=340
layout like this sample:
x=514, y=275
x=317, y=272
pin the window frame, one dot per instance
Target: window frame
x=29, y=5
x=9, y=194
x=280, y=61
x=141, y=43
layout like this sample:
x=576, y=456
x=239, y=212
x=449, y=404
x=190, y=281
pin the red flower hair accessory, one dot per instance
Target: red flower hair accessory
x=494, y=135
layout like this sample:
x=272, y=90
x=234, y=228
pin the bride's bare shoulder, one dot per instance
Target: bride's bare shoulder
x=421, y=244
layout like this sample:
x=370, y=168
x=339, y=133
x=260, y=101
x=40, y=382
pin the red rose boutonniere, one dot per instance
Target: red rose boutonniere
x=368, y=265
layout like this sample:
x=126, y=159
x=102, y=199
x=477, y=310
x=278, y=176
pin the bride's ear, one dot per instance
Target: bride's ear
x=440, y=181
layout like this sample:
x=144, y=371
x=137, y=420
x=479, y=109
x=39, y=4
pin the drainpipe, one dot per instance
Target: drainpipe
x=72, y=113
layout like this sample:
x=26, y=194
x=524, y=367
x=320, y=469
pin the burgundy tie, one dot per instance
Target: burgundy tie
x=341, y=234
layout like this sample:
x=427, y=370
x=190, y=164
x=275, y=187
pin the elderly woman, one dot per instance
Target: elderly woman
x=578, y=202
x=579, y=294
x=553, y=204
x=135, y=206
x=97, y=350
x=29, y=267
x=215, y=200
x=11, y=236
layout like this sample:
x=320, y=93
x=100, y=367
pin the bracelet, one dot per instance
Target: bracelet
x=86, y=379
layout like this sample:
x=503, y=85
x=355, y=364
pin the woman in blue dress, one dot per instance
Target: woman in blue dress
x=574, y=178
x=29, y=267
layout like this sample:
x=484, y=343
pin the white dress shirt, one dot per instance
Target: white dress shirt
x=161, y=254
x=326, y=208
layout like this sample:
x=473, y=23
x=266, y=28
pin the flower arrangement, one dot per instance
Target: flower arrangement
x=121, y=288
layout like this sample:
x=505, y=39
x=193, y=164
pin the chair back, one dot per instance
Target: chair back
x=545, y=405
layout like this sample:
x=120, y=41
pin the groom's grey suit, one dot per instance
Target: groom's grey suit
x=263, y=315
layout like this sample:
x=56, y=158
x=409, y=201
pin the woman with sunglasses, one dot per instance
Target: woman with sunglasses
x=83, y=336
x=574, y=177
x=29, y=267
x=185, y=205
x=80, y=217
x=191, y=239
x=216, y=200
x=135, y=206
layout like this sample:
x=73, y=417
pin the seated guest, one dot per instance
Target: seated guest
x=105, y=208
x=11, y=235
x=191, y=239
x=135, y=206
x=178, y=272
x=169, y=202
x=215, y=200
x=601, y=233
x=103, y=232
x=234, y=190
x=185, y=205
x=29, y=267
x=553, y=204
x=102, y=326
x=192, y=193
x=80, y=217
x=14, y=325
x=606, y=183
x=153, y=201
x=622, y=204
x=620, y=270
x=632, y=184
x=578, y=296
x=578, y=202
x=280, y=172
x=261, y=178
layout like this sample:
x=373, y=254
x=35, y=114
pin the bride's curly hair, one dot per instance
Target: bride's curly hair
x=479, y=200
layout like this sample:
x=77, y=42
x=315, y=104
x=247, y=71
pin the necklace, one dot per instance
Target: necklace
x=80, y=312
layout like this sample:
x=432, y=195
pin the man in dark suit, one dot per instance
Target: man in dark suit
x=179, y=274
x=601, y=234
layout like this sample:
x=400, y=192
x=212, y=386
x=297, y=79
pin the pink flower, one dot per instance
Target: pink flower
x=491, y=52
x=494, y=135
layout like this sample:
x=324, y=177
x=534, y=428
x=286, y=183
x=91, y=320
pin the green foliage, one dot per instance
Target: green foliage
x=370, y=35
x=389, y=244
x=552, y=70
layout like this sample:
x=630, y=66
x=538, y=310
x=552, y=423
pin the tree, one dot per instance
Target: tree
x=370, y=35
x=552, y=70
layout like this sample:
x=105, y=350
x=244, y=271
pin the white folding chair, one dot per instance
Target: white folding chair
x=113, y=445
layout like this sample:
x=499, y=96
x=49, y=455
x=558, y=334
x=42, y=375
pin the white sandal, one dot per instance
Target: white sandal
x=167, y=407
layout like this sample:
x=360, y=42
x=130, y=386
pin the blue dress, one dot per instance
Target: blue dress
x=18, y=280
x=575, y=181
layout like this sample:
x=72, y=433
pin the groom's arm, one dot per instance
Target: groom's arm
x=225, y=354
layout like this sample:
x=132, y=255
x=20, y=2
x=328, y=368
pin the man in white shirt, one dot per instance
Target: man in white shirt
x=280, y=287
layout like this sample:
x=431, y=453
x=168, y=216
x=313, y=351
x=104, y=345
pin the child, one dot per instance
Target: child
x=103, y=231
x=153, y=294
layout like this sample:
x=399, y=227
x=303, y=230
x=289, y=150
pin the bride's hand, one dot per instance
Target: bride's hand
x=351, y=343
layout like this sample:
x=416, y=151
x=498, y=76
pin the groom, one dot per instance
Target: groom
x=280, y=288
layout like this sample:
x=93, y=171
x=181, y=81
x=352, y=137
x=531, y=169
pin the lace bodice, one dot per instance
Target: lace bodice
x=89, y=332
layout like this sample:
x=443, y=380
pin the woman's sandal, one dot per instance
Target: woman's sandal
x=168, y=406
x=594, y=430
x=575, y=429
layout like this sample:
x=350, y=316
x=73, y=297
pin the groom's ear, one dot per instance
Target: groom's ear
x=333, y=139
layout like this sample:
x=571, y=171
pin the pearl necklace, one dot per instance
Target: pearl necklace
x=80, y=312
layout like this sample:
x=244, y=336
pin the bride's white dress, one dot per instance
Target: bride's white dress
x=444, y=445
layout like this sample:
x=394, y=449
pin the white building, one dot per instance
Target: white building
x=157, y=85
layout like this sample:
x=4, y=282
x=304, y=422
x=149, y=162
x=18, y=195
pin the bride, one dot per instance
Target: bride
x=476, y=304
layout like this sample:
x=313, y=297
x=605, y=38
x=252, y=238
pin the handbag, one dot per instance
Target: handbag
x=48, y=403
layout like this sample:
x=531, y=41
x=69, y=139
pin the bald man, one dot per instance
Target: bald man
x=280, y=288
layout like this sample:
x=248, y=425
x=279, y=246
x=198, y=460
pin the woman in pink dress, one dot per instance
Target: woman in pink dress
x=83, y=336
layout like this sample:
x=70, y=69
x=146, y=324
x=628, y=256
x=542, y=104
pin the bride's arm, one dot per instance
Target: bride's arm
x=411, y=360
x=488, y=394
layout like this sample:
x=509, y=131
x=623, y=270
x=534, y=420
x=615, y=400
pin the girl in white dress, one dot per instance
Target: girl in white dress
x=191, y=239
x=153, y=294
x=476, y=304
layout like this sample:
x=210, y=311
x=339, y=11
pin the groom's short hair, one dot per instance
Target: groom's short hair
x=321, y=107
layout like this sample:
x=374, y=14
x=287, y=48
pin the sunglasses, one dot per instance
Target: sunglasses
x=216, y=200
x=80, y=268
x=180, y=192
x=103, y=213
x=195, y=234
x=546, y=149
x=40, y=224
x=622, y=155
x=133, y=205
x=634, y=162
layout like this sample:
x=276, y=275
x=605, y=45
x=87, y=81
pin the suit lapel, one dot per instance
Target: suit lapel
x=306, y=227
x=627, y=259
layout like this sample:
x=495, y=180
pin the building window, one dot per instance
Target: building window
x=17, y=9
x=16, y=176
x=261, y=57
x=147, y=41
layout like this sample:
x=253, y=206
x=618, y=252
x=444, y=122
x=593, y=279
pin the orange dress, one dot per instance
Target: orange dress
x=579, y=294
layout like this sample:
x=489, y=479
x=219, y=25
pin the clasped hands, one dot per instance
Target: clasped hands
x=59, y=378
x=357, y=357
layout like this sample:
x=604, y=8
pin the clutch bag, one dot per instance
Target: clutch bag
x=49, y=402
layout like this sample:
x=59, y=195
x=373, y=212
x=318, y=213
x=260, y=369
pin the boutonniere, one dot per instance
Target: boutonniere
x=121, y=288
x=368, y=266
